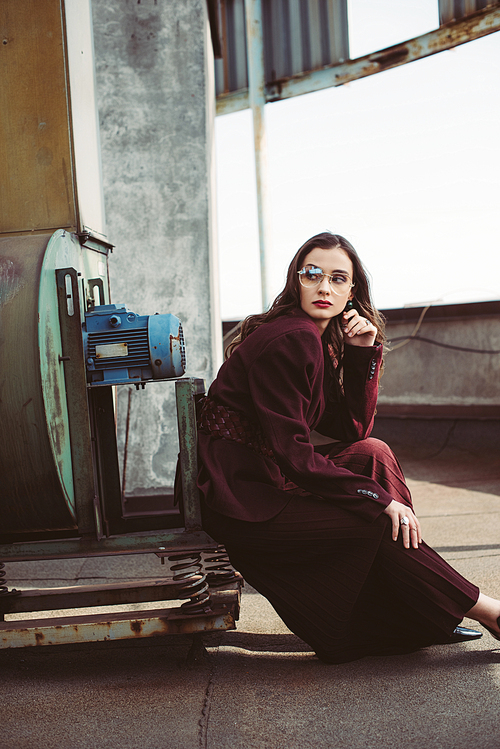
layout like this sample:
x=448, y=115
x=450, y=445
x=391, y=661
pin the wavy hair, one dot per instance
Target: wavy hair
x=289, y=299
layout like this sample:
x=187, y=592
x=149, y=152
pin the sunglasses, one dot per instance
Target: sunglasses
x=311, y=276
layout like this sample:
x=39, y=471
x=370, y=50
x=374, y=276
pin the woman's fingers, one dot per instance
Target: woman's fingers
x=395, y=527
x=404, y=521
x=411, y=530
x=355, y=325
x=418, y=530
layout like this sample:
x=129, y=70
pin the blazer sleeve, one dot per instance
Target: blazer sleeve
x=285, y=382
x=350, y=416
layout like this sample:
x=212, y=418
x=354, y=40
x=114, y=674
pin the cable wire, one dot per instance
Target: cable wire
x=414, y=337
x=407, y=339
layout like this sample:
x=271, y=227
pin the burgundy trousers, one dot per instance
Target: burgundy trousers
x=341, y=583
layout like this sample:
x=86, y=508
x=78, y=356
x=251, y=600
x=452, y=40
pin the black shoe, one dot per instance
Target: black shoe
x=463, y=634
x=493, y=634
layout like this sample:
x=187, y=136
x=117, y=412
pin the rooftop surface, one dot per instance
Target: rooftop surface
x=260, y=686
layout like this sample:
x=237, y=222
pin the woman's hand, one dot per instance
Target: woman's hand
x=402, y=517
x=358, y=331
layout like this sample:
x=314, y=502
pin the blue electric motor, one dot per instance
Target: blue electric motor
x=122, y=347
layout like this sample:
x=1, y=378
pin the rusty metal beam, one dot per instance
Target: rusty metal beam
x=120, y=626
x=111, y=594
x=446, y=37
x=84, y=596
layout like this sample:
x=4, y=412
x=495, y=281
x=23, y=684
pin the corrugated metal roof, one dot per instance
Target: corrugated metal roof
x=453, y=10
x=299, y=36
x=302, y=33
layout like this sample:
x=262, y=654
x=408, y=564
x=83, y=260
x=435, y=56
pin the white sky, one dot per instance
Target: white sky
x=405, y=164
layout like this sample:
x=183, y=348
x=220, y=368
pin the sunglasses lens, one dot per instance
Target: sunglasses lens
x=310, y=276
x=341, y=283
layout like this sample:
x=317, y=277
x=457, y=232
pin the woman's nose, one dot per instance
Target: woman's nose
x=324, y=285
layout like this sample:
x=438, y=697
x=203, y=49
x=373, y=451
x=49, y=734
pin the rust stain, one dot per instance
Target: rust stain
x=174, y=338
x=395, y=56
x=39, y=637
x=136, y=627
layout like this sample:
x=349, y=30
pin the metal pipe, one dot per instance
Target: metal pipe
x=257, y=99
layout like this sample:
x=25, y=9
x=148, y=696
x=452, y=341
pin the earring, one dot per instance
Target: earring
x=349, y=306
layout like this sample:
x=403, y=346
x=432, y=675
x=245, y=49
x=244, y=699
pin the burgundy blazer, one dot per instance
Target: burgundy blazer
x=277, y=378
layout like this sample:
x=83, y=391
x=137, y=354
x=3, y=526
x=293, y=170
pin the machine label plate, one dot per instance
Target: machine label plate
x=110, y=350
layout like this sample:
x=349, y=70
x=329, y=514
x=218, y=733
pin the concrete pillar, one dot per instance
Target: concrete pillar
x=155, y=89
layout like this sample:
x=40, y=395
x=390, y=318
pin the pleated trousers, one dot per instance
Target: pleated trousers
x=341, y=583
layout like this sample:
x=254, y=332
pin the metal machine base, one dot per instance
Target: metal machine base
x=221, y=615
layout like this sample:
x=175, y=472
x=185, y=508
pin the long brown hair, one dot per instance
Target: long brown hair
x=289, y=299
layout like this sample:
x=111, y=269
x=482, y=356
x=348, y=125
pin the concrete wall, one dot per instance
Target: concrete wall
x=419, y=374
x=154, y=71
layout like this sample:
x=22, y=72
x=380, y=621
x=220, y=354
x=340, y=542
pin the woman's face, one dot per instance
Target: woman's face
x=321, y=302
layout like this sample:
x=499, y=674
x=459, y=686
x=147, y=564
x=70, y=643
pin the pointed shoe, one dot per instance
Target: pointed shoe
x=464, y=634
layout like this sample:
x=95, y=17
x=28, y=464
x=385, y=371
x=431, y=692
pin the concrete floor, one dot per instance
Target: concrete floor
x=260, y=686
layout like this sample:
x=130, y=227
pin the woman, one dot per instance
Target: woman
x=327, y=533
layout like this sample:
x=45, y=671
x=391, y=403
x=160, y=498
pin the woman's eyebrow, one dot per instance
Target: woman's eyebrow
x=339, y=270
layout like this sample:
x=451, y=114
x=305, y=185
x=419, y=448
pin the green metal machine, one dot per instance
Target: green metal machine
x=60, y=495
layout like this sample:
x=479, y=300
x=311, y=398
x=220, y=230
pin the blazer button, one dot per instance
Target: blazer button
x=375, y=496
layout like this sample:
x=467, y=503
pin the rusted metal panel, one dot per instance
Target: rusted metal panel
x=120, y=626
x=446, y=37
x=231, y=70
x=298, y=36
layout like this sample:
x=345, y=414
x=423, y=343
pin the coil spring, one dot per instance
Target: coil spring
x=219, y=568
x=3, y=583
x=187, y=568
x=4, y=590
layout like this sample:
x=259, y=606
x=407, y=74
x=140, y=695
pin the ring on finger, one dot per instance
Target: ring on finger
x=405, y=521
